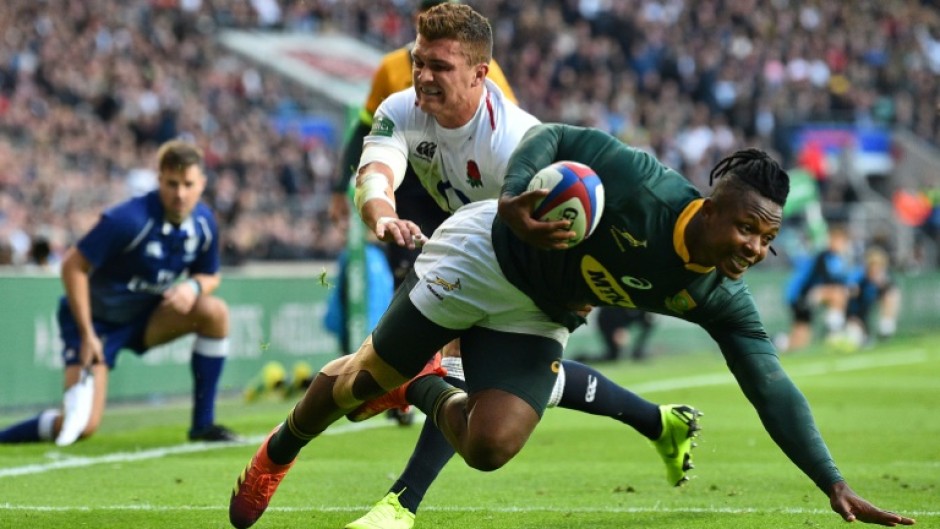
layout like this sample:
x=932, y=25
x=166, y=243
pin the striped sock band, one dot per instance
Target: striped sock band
x=441, y=399
x=294, y=430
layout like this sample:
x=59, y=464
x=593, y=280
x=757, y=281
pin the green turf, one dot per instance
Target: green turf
x=876, y=408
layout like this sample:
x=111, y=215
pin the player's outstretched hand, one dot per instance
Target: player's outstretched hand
x=853, y=507
x=400, y=231
x=516, y=212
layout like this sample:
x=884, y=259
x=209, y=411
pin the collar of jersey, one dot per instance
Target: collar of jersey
x=188, y=226
x=678, y=237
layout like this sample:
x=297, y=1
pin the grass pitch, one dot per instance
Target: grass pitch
x=876, y=408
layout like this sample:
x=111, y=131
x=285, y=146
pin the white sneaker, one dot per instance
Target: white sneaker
x=77, y=403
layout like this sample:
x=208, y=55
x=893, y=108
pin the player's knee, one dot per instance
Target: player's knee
x=488, y=458
x=491, y=450
x=214, y=314
x=217, y=309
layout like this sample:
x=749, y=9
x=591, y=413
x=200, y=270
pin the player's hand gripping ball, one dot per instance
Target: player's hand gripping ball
x=576, y=194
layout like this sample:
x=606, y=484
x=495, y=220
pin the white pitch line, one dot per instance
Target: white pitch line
x=154, y=453
x=449, y=509
x=837, y=365
x=816, y=368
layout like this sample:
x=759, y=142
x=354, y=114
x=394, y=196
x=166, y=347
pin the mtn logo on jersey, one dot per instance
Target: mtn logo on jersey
x=604, y=284
x=474, y=178
x=425, y=150
x=382, y=126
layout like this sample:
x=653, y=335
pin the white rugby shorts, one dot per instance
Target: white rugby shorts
x=460, y=284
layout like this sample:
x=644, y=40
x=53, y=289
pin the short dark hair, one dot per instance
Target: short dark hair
x=755, y=169
x=177, y=155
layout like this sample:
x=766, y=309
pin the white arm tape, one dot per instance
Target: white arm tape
x=372, y=185
x=388, y=155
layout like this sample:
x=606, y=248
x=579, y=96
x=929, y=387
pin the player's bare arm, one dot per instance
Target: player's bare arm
x=375, y=199
x=75, y=271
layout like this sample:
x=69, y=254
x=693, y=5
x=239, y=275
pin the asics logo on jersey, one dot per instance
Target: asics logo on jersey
x=426, y=149
x=681, y=302
x=622, y=234
x=591, y=389
x=636, y=282
x=604, y=284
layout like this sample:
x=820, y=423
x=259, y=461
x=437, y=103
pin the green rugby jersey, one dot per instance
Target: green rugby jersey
x=637, y=257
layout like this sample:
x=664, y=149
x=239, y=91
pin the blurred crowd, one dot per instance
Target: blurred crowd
x=89, y=87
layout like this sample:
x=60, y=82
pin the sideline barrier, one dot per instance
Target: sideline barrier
x=280, y=318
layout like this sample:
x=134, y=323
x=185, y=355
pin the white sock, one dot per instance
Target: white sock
x=212, y=347
x=887, y=326
x=47, y=422
x=835, y=320
x=559, y=389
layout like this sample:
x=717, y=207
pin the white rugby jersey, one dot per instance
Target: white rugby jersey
x=456, y=166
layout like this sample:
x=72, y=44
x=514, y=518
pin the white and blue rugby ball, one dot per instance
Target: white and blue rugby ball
x=576, y=194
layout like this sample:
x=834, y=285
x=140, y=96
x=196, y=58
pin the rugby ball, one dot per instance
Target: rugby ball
x=575, y=193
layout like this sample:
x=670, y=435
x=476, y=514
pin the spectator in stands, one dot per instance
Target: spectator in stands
x=145, y=72
x=143, y=276
x=640, y=70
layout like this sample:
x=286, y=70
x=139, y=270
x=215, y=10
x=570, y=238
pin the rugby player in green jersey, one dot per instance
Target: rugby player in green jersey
x=502, y=282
